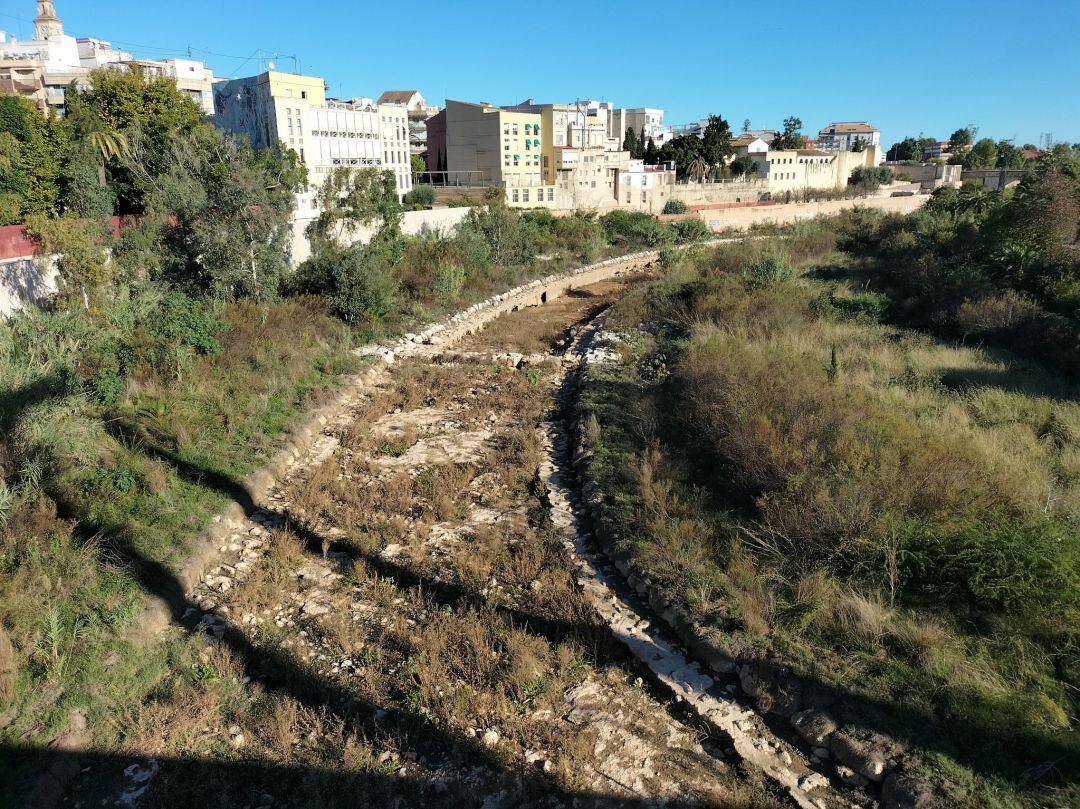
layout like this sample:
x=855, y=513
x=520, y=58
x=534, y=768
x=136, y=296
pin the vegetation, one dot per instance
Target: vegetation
x=889, y=516
x=791, y=137
x=711, y=151
x=176, y=354
x=870, y=178
x=976, y=265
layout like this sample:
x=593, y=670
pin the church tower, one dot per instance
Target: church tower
x=46, y=23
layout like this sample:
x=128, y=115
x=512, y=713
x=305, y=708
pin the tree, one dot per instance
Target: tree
x=859, y=145
x=983, y=155
x=419, y=165
x=1008, y=156
x=351, y=199
x=682, y=151
x=630, y=141
x=716, y=142
x=961, y=140
x=222, y=211
x=147, y=113
x=791, y=137
x=746, y=125
x=698, y=169
x=743, y=166
x=652, y=153
x=34, y=150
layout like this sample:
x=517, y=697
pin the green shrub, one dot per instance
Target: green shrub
x=423, y=195
x=634, y=228
x=449, y=281
x=365, y=291
x=691, y=230
x=674, y=206
x=107, y=385
x=772, y=268
x=186, y=321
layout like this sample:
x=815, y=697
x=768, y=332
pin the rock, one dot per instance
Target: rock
x=814, y=780
x=906, y=792
x=314, y=608
x=849, y=776
x=237, y=741
x=490, y=738
x=858, y=755
x=814, y=726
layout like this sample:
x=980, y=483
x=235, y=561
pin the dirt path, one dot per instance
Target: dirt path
x=404, y=626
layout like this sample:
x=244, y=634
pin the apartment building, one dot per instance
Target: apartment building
x=647, y=123
x=842, y=136
x=495, y=146
x=41, y=69
x=326, y=133
x=397, y=155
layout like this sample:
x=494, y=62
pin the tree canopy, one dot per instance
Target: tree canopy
x=791, y=137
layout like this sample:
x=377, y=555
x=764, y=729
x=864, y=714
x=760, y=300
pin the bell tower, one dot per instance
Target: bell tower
x=46, y=23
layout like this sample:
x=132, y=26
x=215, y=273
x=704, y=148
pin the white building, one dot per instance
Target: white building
x=397, y=154
x=41, y=69
x=842, y=136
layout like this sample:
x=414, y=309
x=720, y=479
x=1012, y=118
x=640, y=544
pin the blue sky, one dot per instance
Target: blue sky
x=1011, y=67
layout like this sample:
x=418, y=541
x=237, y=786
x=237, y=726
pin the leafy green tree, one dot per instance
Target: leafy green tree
x=982, y=155
x=682, y=151
x=746, y=125
x=351, y=199
x=33, y=153
x=223, y=210
x=961, y=140
x=652, y=153
x=419, y=165
x=743, y=166
x=630, y=141
x=791, y=137
x=125, y=111
x=1008, y=156
x=716, y=142
x=83, y=190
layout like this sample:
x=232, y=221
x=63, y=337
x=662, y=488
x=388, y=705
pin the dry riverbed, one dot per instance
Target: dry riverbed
x=402, y=626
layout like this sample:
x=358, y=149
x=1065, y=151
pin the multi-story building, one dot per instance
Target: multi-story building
x=937, y=149
x=842, y=137
x=397, y=156
x=293, y=110
x=488, y=145
x=192, y=77
x=647, y=123
x=801, y=170
x=748, y=144
x=41, y=69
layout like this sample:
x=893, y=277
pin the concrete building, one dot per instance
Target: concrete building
x=397, y=156
x=936, y=150
x=41, y=69
x=802, y=170
x=842, y=137
x=748, y=144
x=326, y=133
x=494, y=146
x=647, y=123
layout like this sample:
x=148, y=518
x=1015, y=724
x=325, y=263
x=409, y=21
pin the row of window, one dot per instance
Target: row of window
x=517, y=162
x=356, y=161
x=512, y=129
x=524, y=195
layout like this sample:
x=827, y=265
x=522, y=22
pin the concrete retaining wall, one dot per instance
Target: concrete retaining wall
x=743, y=218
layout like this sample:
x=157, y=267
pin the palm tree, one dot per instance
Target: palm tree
x=110, y=144
x=697, y=169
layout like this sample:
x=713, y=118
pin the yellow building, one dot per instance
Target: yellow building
x=505, y=148
x=270, y=108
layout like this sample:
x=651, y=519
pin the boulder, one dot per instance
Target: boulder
x=814, y=726
x=859, y=755
x=906, y=792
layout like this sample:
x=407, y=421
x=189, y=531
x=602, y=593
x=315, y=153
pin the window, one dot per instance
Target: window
x=525, y=195
x=506, y=147
x=551, y=195
x=515, y=195
x=303, y=94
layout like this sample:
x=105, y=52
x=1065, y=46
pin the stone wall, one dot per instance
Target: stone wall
x=743, y=218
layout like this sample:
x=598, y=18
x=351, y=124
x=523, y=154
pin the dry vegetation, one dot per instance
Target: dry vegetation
x=890, y=516
x=412, y=634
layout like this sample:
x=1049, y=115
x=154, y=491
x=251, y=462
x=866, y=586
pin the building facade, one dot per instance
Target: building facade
x=293, y=110
x=842, y=137
x=41, y=69
x=802, y=170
